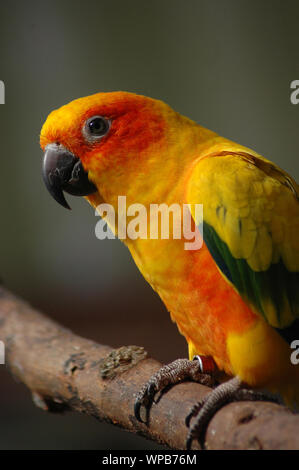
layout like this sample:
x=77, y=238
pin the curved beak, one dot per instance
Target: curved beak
x=63, y=171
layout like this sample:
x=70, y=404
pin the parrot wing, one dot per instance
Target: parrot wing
x=251, y=227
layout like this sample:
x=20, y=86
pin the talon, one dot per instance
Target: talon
x=192, y=435
x=137, y=407
x=145, y=399
x=194, y=411
x=172, y=374
x=189, y=442
x=206, y=408
x=188, y=419
x=225, y=393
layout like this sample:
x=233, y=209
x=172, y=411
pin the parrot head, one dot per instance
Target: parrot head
x=103, y=143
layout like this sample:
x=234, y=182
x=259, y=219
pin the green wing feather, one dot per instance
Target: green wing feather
x=251, y=227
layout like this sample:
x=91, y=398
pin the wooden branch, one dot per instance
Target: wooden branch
x=64, y=371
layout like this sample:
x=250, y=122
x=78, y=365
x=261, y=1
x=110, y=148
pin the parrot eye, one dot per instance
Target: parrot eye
x=95, y=128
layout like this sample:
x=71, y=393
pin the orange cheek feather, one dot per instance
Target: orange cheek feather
x=133, y=130
x=130, y=134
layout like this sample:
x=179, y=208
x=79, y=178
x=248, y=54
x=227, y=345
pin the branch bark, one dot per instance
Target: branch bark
x=66, y=372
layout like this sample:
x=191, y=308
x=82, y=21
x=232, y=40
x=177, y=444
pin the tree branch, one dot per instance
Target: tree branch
x=64, y=371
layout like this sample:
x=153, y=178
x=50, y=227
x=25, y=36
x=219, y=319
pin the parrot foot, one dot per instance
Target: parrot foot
x=225, y=393
x=197, y=370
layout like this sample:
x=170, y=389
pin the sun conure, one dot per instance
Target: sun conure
x=236, y=299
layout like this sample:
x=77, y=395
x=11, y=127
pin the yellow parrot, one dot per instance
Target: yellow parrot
x=235, y=298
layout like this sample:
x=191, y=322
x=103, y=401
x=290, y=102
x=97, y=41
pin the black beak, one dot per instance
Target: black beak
x=63, y=171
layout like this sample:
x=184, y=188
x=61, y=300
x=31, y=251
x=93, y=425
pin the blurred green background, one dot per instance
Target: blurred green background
x=226, y=64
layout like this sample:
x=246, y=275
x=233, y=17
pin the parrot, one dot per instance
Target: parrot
x=236, y=298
